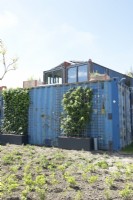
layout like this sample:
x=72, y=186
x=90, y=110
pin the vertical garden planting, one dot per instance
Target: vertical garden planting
x=16, y=105
x=77, y=105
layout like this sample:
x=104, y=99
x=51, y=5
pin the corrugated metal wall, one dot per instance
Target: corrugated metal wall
x=125, y=113
x=108, y=99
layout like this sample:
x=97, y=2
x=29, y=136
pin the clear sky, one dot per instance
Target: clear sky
x=44, y=33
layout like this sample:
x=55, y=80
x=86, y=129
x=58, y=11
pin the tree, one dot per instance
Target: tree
x=3, y=61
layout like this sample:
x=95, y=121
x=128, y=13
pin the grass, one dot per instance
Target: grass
x=128, y=149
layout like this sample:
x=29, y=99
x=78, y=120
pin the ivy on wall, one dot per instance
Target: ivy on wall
x=16, y=105
x=77, y=105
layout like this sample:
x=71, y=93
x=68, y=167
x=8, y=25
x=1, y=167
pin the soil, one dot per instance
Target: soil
x=32, y=172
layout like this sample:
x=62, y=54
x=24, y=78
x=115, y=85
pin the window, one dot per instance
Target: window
x=77, y=74
x=72, y=75
x=53, y=77
x=82, y=73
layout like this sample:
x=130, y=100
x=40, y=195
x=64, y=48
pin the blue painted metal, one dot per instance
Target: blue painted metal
x=115, y=116
x=45, y=111
x=103, y=70
x=125, y=115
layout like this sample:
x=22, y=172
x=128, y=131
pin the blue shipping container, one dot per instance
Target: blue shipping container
x=106, y=124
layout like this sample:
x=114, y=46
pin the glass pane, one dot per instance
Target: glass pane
x=82, y=73
x=72, y=75
x=57, y=76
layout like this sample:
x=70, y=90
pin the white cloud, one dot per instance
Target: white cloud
x=8, y=20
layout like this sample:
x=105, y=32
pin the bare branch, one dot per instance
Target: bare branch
x=12, y=63
x=10, y=66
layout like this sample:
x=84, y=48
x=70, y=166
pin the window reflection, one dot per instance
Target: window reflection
x=72, y=75
x=82, y=73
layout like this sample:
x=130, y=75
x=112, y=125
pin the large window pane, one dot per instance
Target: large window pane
x=82, y=73
x=72, y=75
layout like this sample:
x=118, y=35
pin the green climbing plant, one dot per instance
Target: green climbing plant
x=77, y=106
x=16, y=105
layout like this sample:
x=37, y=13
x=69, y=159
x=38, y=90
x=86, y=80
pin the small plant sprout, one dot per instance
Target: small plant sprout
x=102, y=164
x=109, y=181
x=90, y=168
x=85, y=176
x=40, y=180
x=107, y=194
x=119, y=165
x=126, y=193
x=38, y=169
x=116, y=175
x=92, y=179
x=62, y=167
x=8, y=159
x=14, y=168
x=79, y=195
x=41, y=193
x=12, y=183
x=129, y=172
x=70, y=179
x=53, y=180
x=59, y=155
x=28, y=180
x=25, y=192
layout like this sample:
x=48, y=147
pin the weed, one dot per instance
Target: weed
x=129, y=171
x=116, y=175
x=59, y=155
x=126, y=193
x=28, y=180
x=14, y=168
x=92, y=179
x=41, y=193
x=43, y=161
x=70, y=179
x=53, y=179
x=119, y=165
x=109, y=181
x=62, y=167
x=102, y=164
x=78, y=196
x=51, y=166
x=27, y=168
x=90, y=168
x=8, y=159
x=40, y=180
x=11, y=183
x=81, y=166
x=17, y=153
x=25, y=192
x=2, y=189
x=107, y=194
x=84, y=175
x=38, y=169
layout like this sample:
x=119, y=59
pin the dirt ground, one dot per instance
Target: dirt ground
x=31, y=172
